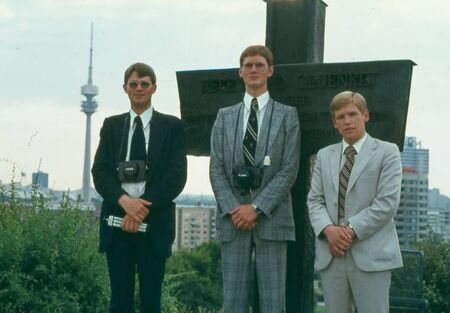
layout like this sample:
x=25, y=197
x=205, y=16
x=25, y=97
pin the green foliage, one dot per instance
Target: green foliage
x=406, y=280
x=320, y=309
x=437, y=272
x=195, y=278
x=49, y=260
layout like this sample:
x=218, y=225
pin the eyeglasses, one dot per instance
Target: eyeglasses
x=135, y=83
x=259, y=66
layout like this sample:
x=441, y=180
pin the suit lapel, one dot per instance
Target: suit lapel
x=366, y=154
x=334, y=161
x=229, y=124
x=157, y=138
x=277, y=119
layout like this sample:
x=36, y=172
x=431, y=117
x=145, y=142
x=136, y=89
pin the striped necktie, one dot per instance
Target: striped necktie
x=251, y=135
x=344, y=177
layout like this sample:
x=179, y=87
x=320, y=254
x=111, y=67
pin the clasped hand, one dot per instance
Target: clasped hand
x=136, y=211
x=339, y=239
x=244, y=217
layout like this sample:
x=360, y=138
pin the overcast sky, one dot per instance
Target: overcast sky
x=44, y=54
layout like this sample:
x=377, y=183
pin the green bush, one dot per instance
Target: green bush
x=49, y=260
x=437, y=272
x=49, y=263
x=195, y=278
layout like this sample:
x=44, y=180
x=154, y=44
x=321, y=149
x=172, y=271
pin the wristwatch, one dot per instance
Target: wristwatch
x=258, y=210
x=353, y=230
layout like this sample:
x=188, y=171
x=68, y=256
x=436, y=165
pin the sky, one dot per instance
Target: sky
x=44, y=55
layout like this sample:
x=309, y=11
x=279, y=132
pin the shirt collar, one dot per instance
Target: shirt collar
x=263, y=99
x=357, y=145
x=146, y=117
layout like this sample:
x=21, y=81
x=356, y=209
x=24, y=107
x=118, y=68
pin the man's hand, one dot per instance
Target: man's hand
x=350, y=232
x=244, y=217
x=129, y=224
x=135, y=208
x=339, y=239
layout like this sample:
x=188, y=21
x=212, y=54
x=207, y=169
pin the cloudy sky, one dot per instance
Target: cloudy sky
x=44, y=54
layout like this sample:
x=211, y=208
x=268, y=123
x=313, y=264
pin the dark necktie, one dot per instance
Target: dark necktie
x=137, y=150
x=251, y=135
x=344, y=177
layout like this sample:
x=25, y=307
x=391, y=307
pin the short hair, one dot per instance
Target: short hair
x=255, y=50
x=348, y=97
x=142, y=70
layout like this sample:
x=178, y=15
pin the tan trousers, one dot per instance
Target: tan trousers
x=345, y=286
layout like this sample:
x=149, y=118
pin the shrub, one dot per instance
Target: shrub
x=49, y=260
x=437, y=272
x=195, y=278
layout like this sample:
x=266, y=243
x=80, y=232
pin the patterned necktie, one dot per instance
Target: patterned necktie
x=344, y=177
x=137, y=150
x=251, y=135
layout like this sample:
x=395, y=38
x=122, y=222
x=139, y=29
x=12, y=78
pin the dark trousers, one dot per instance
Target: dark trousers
x=127, y=254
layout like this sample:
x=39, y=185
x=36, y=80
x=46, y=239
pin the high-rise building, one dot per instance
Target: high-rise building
x=439, y=213
x=414, y=158
x=89, y=107
x=41, y=179
x=195, y=224
x=412, y=219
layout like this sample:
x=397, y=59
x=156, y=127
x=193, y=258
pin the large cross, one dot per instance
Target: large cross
x=295, y=32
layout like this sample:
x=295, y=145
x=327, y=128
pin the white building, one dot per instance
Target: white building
x=195, y=224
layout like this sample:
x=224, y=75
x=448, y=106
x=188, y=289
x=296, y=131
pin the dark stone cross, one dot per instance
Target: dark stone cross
x=295, y=33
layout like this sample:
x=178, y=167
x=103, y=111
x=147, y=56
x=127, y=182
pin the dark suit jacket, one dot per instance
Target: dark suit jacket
x=165, y=180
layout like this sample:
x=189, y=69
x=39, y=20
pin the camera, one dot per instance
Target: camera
x=132, y=171
x=247, y=177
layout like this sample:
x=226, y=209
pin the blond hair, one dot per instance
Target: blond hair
x=348, y=97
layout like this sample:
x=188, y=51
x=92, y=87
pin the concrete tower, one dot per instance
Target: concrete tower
x=88, y=107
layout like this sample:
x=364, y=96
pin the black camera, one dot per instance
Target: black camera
x=247, y=177
x=132, y=171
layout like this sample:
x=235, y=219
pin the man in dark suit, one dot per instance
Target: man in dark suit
x=262, y=134
x=157, y=140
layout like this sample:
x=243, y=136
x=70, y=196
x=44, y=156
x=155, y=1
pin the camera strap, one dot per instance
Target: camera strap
x=270, y=127
x=235, y=134
x=237, y=125
x=123, y=136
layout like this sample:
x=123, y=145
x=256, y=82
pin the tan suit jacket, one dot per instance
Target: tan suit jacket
x=372, y=199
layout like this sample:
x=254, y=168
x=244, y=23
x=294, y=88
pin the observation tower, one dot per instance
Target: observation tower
x=89, y=107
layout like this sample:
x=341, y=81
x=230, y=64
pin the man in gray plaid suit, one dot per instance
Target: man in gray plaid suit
x=254, y=213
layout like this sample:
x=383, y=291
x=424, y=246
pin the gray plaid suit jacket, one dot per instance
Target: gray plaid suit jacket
x=373, y=196
x=273, y=198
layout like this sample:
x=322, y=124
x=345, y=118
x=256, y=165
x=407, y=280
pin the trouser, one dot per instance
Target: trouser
x=344, y=285
x=270, y=261
x=128, y=254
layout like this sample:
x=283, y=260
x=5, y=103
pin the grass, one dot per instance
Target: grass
x=320, y=309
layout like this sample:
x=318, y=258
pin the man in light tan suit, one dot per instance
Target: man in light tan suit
x=355, y=192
